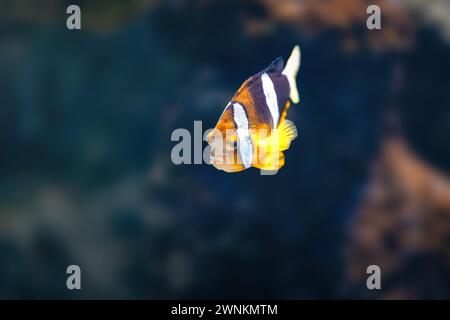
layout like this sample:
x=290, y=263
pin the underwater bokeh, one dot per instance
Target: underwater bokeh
x=86, y=176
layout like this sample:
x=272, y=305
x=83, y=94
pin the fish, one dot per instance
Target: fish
x=252, y=130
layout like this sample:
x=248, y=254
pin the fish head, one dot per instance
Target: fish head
x=224, y=143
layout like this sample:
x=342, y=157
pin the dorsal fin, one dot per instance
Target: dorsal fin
x=277, y=65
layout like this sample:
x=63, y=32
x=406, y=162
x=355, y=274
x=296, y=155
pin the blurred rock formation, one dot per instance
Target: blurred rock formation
x=403, y=225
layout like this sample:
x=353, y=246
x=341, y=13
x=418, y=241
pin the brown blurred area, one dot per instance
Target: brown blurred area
x=403, y=225
x=310, y=17
x=349, y=18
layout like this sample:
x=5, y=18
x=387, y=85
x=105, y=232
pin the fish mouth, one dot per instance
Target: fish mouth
x=211, y=137
x=218, y=163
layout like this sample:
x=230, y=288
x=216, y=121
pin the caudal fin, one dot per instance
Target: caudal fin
x=291, y=70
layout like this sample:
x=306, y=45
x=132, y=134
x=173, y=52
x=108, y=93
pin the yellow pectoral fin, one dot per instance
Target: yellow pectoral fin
x=286, y=133
x=281, y=138
x=274, y=162
x=271, y=156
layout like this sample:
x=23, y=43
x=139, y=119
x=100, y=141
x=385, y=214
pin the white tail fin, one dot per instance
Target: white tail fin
x=291, y=70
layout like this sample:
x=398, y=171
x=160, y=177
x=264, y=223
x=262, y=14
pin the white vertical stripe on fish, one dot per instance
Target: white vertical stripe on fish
x=271, y=98
x=242, y=130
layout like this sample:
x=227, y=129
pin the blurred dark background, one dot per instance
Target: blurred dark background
x=86, y=176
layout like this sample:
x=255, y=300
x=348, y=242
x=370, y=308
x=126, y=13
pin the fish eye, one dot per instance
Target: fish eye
x=232, y=143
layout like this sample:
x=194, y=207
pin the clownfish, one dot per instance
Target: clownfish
x=253, y=130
